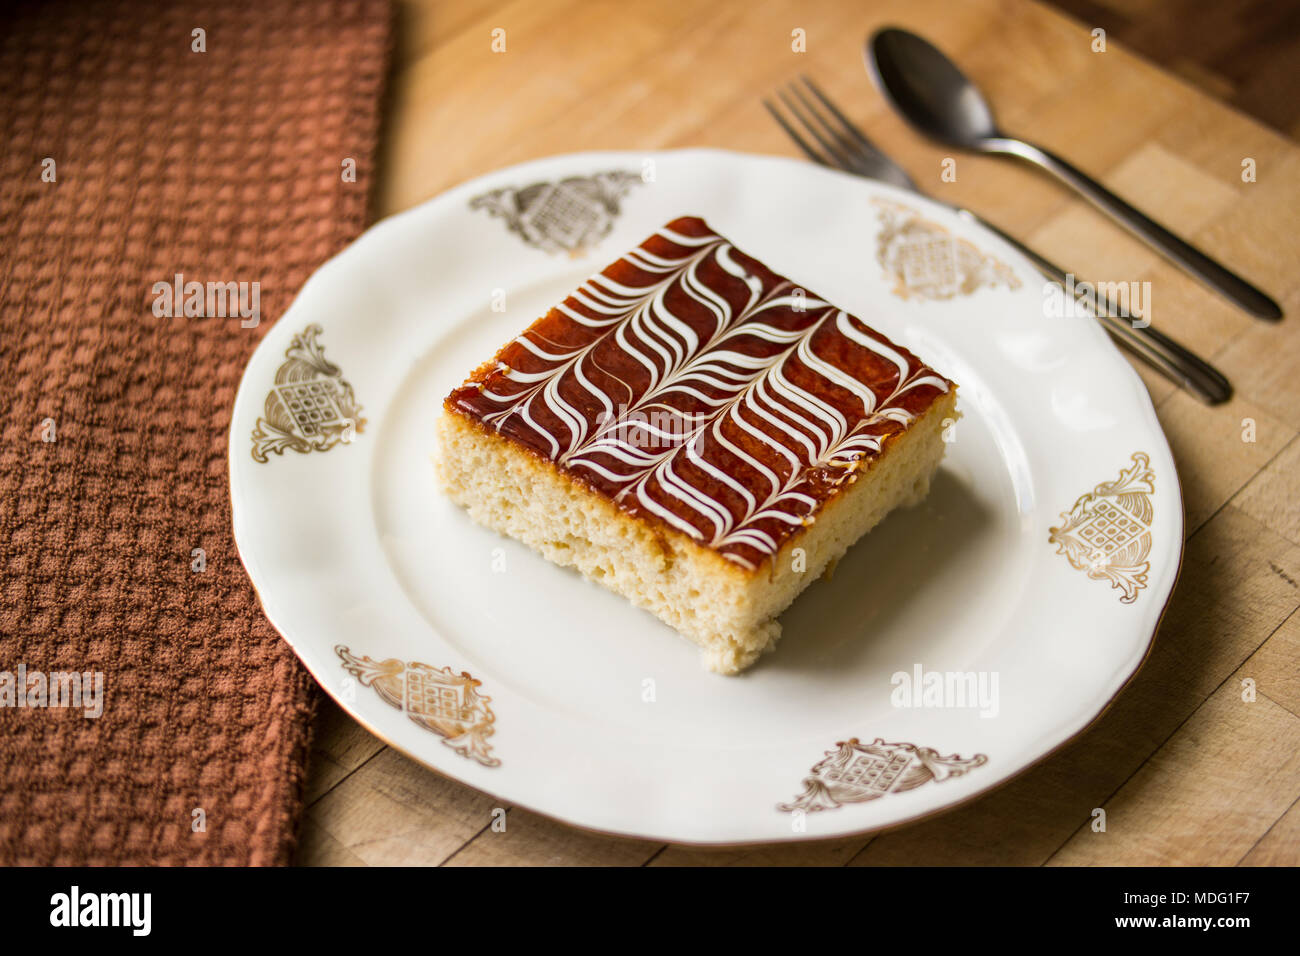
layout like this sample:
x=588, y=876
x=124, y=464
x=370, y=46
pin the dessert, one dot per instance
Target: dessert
x=696, y=433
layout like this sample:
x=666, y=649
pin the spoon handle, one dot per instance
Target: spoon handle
x=1190, y=259
x=1181, y=366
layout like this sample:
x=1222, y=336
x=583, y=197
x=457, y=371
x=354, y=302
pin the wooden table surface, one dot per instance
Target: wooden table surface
x=1187, y=770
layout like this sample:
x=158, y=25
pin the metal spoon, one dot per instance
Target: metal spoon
x=935, y=97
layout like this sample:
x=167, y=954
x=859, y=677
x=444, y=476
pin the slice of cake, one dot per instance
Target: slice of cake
x=696, y=433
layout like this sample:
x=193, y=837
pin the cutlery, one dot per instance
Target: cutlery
x=844, y=146
x=932, y=94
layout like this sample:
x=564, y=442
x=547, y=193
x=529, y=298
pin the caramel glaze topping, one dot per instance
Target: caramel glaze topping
x=698, y=389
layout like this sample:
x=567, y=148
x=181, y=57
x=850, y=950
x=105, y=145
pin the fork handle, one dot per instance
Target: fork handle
x=1158, y=350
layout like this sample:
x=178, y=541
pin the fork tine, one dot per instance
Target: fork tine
x=852, y=128
x=811, y=153
x=833, y=151
x=848, y=149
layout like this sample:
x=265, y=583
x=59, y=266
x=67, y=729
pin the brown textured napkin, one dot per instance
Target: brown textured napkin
x=224, y=165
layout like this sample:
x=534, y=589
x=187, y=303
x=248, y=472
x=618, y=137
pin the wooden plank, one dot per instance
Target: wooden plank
x=1217, y=139
x=523, y=838
x=1019, y=824
x=1261, y=227
x=1190, y=313
x=1273, y=496
x=1231, y=598
x=1278, y=847
x=316, y=847
x=818, y=853
x=1214, y=458
x=395, y=812
x=1262, y=365
x=421, y=26
x=1174, y=811
x=1083, y=242
x=1238, y=585
x=339, y=746
x=468, y=109
x=1275, y=667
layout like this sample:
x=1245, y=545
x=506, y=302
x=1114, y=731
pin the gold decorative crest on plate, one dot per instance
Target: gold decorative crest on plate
x=855, y=773
x=439, y=700
x=568, y=215
x=926, y=261
x=310, y=407
x=1108, y=531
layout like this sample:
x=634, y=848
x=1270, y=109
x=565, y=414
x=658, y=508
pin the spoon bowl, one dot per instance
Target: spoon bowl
x=929, y=90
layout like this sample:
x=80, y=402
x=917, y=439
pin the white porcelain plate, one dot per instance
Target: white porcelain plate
x=1023, y=593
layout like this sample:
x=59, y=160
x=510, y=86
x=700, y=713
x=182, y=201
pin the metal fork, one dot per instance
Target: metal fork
x=842, y=145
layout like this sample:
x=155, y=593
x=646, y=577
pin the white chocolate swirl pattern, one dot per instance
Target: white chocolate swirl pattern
x=697, y=388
